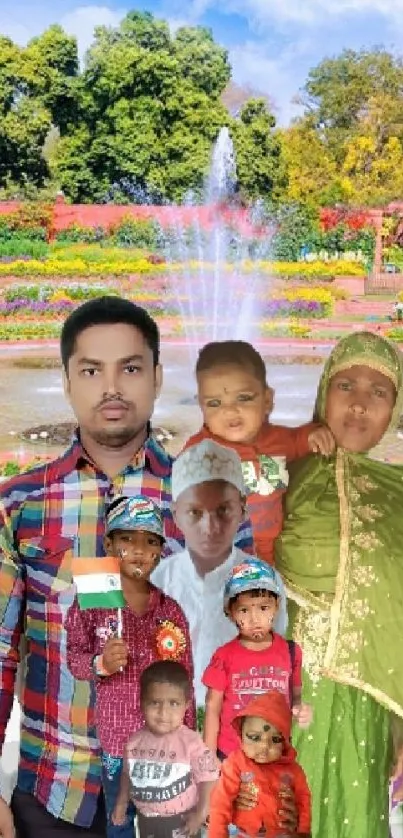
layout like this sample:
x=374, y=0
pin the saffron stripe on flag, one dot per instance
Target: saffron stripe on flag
x=97, y=564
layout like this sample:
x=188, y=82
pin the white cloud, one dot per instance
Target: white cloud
x=262, y=13
x=82, y=21
x=20, y=33
x=273, y=77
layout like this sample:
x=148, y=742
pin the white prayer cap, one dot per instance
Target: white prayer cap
x=204, y=461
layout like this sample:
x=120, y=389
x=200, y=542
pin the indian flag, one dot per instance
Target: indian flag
x=98, y=582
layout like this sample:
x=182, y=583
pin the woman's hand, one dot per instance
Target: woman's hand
x=247, y=796
x=288, y=812
x=303, y=714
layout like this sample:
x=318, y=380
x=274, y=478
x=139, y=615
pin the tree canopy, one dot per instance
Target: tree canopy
x=141, y=114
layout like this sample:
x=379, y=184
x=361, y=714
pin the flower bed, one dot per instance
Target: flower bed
x=30, y=330
x=35, y=311
x=125, y=264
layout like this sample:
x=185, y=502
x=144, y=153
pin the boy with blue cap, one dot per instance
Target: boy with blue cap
x=257, y=661
x=153, y=627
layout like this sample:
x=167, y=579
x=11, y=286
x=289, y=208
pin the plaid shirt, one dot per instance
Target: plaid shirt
x=47, y=515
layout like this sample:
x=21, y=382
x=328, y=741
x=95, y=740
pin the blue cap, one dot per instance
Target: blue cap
x=136, y=513
x=251, y=575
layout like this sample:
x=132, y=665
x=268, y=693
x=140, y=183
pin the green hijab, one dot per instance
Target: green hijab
x=367, y=349
x=341, y=549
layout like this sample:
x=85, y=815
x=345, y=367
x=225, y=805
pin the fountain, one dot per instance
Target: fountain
x=218, y=288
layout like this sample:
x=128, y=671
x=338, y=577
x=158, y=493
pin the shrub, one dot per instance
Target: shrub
x=299, y=331
x=339, y=293
x=33, y=220
x=76, y=233
x=16, y=247
x=135, y=232
x=395, y=334
x=55, y=293
x=29, y=330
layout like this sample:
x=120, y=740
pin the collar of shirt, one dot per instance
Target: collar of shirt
x=214, y=579
x=151, y=455
x=154, y=602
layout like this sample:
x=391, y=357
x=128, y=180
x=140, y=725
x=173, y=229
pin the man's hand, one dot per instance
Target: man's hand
x=6, y=820
x=321, y=441
x=114, y=655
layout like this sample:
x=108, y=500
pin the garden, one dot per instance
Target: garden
x=303, y=267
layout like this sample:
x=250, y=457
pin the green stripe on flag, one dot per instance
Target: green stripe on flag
x=108, y=599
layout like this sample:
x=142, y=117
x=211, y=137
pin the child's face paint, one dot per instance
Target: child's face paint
x=138, y=551
x=254, y=615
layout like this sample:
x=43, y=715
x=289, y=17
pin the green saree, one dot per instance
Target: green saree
x=341, y=556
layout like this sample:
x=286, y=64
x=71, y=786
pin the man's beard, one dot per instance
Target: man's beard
x=115, y=437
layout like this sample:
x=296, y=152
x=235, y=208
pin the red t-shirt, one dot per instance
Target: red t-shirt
x=241, y=674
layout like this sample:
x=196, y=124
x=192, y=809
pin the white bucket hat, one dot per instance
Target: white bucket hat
x=204, y=461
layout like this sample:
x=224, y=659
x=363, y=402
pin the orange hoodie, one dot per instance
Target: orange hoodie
x=270, y=778
x=266, y=478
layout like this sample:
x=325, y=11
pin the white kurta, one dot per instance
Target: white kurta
x=202, y=601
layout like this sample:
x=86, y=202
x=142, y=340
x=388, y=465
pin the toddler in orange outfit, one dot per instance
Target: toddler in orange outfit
x=236, y=402
x=266, y=762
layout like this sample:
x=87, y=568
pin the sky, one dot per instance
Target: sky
x=272, y=44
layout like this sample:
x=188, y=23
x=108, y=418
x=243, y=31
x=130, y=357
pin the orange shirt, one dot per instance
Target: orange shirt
x=264, y=465
x=269, y=778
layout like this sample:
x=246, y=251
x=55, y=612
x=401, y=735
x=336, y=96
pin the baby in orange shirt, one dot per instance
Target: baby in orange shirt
x=236, y=402
x=266, y=763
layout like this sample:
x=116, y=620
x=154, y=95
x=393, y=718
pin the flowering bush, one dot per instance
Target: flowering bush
x=395, y=334
x=42, y=292
x=77, y=267
x=30, y=330
x=305, y=302
x=293, y=308
x=38, y=307
x=119, y=264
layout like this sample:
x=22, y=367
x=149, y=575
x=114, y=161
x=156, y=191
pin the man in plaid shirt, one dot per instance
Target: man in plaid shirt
x=112, y=376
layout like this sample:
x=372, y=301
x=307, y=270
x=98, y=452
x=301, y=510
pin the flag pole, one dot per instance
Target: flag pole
x=120, y=624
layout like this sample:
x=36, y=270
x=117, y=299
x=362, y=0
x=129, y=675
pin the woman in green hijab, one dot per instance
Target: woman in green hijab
x=341, y=555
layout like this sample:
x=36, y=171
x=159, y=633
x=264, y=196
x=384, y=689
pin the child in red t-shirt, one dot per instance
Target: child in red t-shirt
x=255, y=662
x=265, y=764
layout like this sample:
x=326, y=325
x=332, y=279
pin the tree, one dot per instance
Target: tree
x=338, y=91
x=38, y=85
x=24, y=122
x=150, y=110
x=260, y=163
x=311, y=168
x=373, y=175
x=50, y=71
